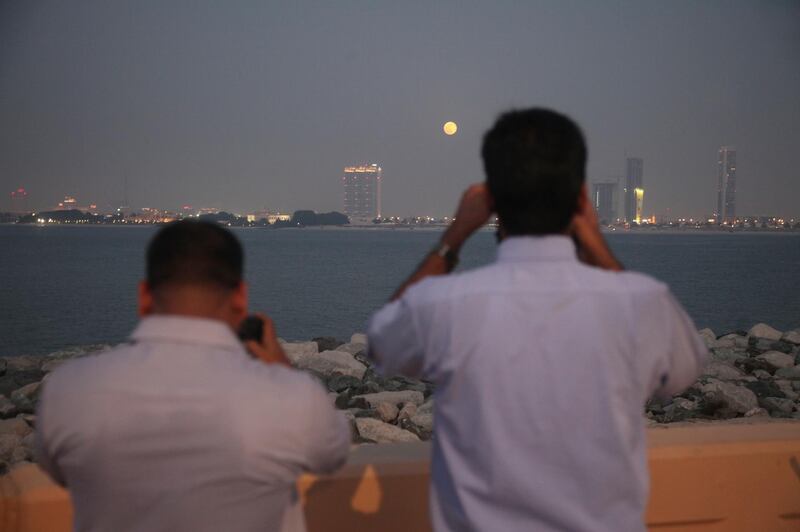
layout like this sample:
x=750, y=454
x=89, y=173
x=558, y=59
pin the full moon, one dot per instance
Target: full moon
x=450, y=128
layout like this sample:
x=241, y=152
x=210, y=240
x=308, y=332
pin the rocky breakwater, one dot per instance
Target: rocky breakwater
x=749, y=374
x=380, y=409
x=753, y=373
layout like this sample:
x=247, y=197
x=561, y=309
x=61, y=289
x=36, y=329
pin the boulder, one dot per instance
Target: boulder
x=358, y=338
x=25, y=398
x=776, y=359
x=295, y=351
x=426, y=408
x=352, y=348
x=729, y=397
x=423, y=421
x=8, y=444
x=339, y=383
x=765, y=388
x=408, y=411
x=762, y=330
x=761, y=374
x=7, y=408
x=732, y=340
x=379, y=432
x=723, y=371
x=793, y=373
x=405, y=396
x=16, y=426
x=23, y=363
x=787, y=389
x=791, y=337
x=728, y=354
x=708, y=337
x=387, y=412
x=329, y=363
x=776, y=405
x=327, y=343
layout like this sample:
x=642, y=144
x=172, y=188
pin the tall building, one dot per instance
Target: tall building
x=362, y=191
x=604, y=194
x=726, y=185
x=19, y=200
x=634, y=179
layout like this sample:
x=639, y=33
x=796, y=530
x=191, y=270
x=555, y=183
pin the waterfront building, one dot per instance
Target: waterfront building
x=634, y=179
x=19, y=200
x=726, y=185
x=639, y=195
x=362, y=191
x=604, y=194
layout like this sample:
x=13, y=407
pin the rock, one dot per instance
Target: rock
x=761, y=374
x=327, y=343
x=776, y=405
x=338, y=383
x=23, y=363
x=728, y=354
x=3, y=366
x=723, y=371
x=762, y=330
x=352, y=348
x=296, y=351
x=15, y=426
x=752, y=364
x=7, y=408
x=406, y=396
x=408, y=411
x=8, y=444
x=426, y=408
x=380, y=432
x=25, y=398
x=358, y=338
x=756, y=412
x=387, y=412
x=791, y=337
x=764, y=389
x=329, y=363
x=708, y=337
x=423, y=421
x=732, y=340
x=776, y=359
x=787, y=389
x=49, y=366
x=729, y=397
x=680, y=409
x=792, y=373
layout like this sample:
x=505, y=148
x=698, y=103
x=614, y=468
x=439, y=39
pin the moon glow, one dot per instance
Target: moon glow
x=450, y=128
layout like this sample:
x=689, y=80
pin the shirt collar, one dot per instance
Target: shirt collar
x=536, y=248
x=184, y=329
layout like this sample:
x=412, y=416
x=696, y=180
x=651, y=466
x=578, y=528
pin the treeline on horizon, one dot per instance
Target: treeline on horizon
x=300, y=218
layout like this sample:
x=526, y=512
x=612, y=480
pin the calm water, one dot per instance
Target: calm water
x=62, y=286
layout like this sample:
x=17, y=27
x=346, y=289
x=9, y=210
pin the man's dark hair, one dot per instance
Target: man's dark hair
x=535, y=163
x=193, y=252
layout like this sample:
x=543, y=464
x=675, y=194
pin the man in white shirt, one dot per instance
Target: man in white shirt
x=182, y=429
x=544, y=359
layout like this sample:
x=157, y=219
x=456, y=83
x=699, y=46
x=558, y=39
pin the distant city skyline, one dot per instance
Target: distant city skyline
x=245, y=105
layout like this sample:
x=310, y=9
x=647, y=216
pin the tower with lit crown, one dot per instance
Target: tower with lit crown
x=634, y=188
x=362, y=191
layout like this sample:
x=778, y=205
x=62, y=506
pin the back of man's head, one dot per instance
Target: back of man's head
x=193, y=253
x=535, y=163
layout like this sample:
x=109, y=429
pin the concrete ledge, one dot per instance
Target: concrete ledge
x=736, y=476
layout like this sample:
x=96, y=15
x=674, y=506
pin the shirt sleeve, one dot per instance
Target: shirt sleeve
x=330, y=446
x=393, y=339
x=667, y=338
x=42, y=454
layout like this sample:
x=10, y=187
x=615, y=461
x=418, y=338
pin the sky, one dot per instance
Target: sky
x=248, y=105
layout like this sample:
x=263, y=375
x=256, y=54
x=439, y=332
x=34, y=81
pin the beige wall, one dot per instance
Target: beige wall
x=709, y=477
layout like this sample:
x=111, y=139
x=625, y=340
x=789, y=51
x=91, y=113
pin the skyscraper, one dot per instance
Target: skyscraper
x=362, y=191
x=604, y=195
x=726, y=185
x=634, y=179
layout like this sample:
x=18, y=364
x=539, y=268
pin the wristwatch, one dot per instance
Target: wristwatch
x=448, y=254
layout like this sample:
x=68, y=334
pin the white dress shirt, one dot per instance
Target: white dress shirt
x=183, y=431
x=543, y=366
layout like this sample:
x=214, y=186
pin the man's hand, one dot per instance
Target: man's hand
x=473, y=212
x=269, y=350
x=585, y=230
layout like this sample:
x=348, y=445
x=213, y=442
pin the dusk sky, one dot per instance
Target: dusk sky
x=246, y=105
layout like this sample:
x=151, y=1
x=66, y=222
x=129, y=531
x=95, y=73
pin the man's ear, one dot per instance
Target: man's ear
x=239, y=300
x=146, y=300
x=583, y=200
